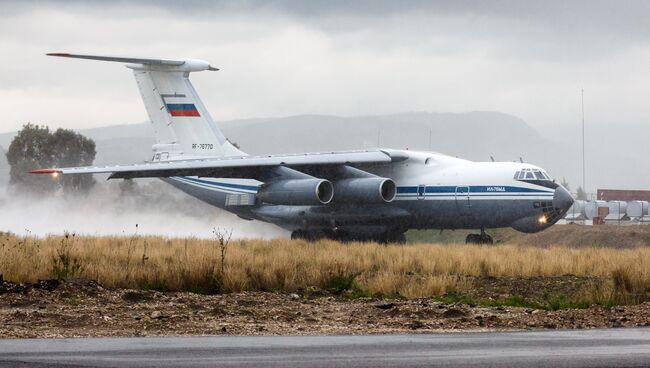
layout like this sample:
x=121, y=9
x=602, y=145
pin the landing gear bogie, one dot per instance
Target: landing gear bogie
x=482, y=238
x=311, y=236
x=396, y=237
x=388, y=237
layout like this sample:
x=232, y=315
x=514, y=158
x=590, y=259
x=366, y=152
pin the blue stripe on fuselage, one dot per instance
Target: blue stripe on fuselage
x=491, y=189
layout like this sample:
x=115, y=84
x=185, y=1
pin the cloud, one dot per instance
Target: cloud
x=348, y=58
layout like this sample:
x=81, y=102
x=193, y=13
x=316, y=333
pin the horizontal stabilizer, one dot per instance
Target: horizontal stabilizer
x=143, y=61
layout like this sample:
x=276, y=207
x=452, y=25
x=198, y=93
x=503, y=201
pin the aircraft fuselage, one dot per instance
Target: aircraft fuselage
x=434, y=191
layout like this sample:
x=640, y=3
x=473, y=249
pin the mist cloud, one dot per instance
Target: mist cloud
x=108, y=211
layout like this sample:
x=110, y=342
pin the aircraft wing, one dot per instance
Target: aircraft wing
x=234, y=167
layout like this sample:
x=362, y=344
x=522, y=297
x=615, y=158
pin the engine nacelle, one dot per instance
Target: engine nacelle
x=364, y=190
x=297, y=192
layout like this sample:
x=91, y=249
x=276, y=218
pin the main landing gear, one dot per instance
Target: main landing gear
x=308, y=235
x=395, y=236
x=482, y=238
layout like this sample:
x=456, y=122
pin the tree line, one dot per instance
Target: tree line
x=37, y=147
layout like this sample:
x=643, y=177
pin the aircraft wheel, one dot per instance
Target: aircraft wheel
x=396, y=237
x=486, y=239
x=301, y=235
x=308, y=235
x=479, y=239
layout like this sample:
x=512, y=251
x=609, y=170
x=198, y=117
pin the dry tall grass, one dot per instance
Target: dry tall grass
x=410, y=271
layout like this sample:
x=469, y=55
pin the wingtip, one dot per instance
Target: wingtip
x=46, y=171
x=61, y=54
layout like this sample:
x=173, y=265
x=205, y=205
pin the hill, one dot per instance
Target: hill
x=612, y=155
x=473, y=135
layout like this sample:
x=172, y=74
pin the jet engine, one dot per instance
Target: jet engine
x=364, y=190
x=297, y=192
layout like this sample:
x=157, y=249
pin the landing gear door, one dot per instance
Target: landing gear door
x=463, y=200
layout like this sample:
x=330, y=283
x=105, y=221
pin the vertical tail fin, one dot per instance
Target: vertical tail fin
x=182, y=124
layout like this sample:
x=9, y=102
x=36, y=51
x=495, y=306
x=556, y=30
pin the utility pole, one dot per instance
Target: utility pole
x=584, y=187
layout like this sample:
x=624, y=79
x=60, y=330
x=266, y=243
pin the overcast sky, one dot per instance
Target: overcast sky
x=526, y=58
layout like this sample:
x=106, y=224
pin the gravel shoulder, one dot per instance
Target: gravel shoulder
x=79, y=307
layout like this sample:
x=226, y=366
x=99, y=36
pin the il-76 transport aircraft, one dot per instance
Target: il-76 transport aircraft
x=374, y=194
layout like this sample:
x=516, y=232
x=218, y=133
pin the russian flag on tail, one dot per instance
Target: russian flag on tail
x=176, y=109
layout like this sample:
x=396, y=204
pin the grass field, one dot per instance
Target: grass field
x=451, y=272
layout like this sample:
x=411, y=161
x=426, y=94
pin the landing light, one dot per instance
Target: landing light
x=55, y=174
x=542, y=219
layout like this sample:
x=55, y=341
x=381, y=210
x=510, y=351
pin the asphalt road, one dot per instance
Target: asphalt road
x=577, y=348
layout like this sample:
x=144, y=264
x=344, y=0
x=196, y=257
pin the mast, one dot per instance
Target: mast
x=583, y=140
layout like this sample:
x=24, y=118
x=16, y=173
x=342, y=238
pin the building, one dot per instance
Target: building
x=622, y=195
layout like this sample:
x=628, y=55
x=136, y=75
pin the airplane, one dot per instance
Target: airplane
x=365, y=195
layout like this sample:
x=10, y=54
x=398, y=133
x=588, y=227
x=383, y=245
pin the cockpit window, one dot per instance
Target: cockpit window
x=535, y=176
x=531, y=174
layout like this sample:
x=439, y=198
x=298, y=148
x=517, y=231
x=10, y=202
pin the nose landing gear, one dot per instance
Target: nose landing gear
x=482, y=238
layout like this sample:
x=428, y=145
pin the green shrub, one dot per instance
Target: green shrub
x=64, y=264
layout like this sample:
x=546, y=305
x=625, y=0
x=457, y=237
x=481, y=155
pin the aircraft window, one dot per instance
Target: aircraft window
x=532, y=174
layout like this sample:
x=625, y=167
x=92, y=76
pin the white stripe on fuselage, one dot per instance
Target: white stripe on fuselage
x=216, y=186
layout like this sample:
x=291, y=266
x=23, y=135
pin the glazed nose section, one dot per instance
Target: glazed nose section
x=562, y=198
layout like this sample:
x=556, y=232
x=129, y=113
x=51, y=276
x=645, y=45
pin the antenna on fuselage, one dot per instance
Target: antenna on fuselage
x=491, y=158
x=521, y=160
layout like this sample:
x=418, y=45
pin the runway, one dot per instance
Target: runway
x=574, y=348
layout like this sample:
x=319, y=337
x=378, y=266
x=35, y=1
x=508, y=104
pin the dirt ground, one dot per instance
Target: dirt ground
x=571, y=235
x=80, y=307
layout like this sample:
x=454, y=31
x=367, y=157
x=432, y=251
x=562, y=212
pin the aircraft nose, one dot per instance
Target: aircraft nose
x=562, y=198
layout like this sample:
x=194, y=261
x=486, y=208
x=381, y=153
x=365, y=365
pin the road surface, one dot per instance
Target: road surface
x=574, y=348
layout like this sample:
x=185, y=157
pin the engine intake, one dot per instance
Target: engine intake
x=364, y=190
x=297, y=192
